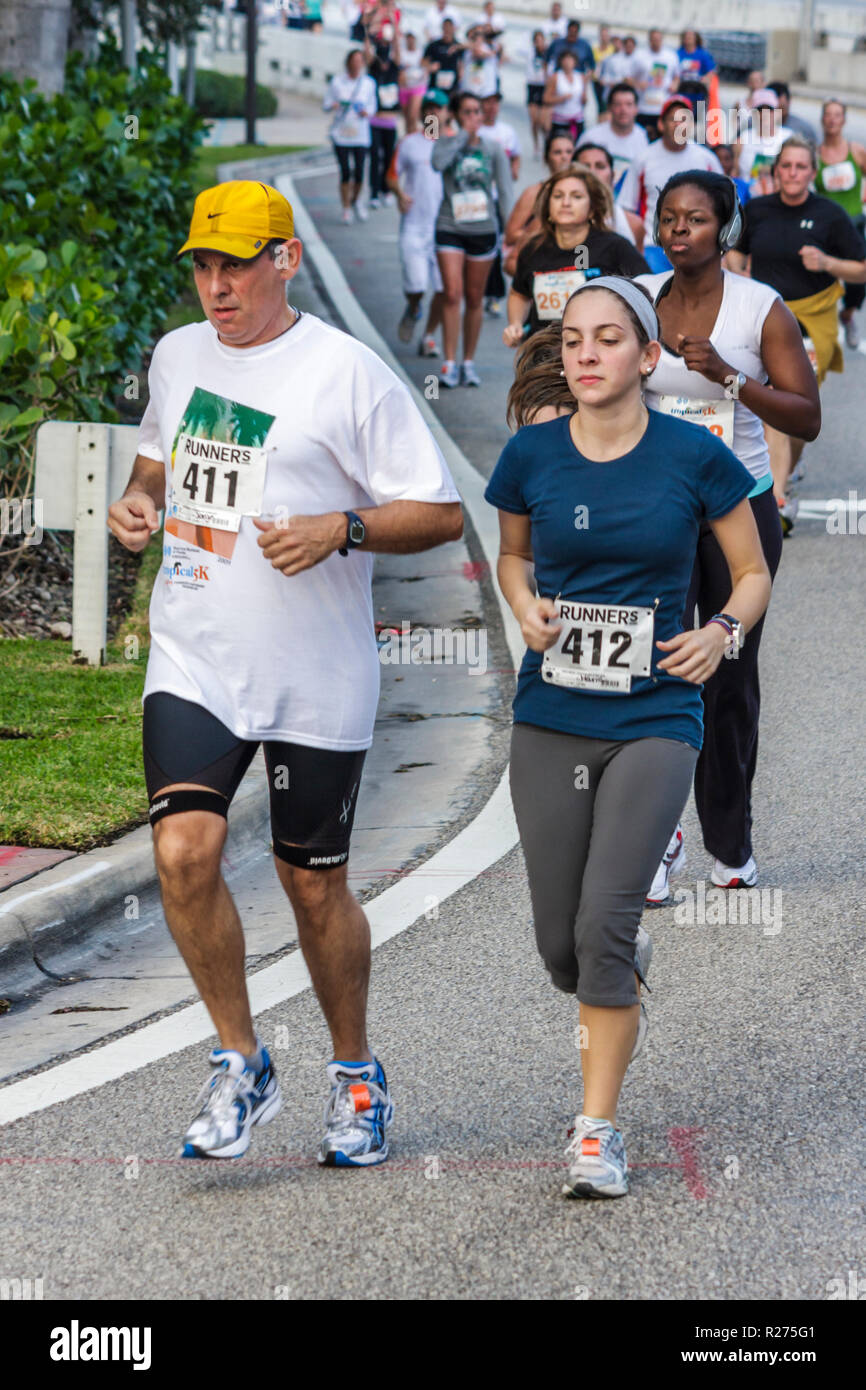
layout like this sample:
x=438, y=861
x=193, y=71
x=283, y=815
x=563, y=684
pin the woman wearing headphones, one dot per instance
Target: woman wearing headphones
x=732, y=356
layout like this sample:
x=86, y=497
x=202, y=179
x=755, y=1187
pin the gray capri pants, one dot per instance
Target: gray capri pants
x=592, y=851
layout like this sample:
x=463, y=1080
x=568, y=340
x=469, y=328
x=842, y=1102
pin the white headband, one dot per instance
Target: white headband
x=632, y=295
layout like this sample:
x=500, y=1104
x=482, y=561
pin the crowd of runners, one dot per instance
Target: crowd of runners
x=673, y=308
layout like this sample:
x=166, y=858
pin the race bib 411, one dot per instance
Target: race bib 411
x=215, y=484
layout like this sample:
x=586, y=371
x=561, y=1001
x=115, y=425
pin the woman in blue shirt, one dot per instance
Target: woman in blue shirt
x=599, y=517
x=696, y=66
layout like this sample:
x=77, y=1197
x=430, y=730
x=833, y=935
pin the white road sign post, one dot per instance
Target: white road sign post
x=80, y=470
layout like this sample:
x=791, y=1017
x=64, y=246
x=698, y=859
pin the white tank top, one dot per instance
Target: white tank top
x=569, y=97
x=736, y=336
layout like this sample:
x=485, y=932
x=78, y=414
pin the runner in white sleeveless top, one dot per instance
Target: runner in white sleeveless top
x=565, y=93
x=732, y=356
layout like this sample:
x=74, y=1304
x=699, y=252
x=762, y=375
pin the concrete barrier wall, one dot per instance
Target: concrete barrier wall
x=838, y=72
x=295, y=60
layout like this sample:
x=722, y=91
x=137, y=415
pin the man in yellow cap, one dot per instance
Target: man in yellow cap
x=285, y=453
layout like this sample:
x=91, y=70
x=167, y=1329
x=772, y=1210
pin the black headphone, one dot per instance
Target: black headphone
x=729, y=232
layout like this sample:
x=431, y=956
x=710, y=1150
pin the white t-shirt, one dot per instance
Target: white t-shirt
x=351, y=127
x=648, y=175
x=569, y=97
x=757, y=157
x=504, y=135
x=480, y=77
x=325, y=426
x=419, y=180
x=622, y=148
x=554, y=28
x=661, y=71
x=621, y=223
x=621, y=67
x=495, y=21
x=736, y=336
x=433, y=18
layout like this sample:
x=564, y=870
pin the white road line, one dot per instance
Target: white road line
x=485, y=840
x=818, y=509
x=475, y=849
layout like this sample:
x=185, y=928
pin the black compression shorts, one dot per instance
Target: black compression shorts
x=313, y=791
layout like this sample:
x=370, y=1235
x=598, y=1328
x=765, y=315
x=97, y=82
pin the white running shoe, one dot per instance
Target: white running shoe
x=449, y=375
x=427, y=347
x=852, y=335
x=346, y=217
x=723, y=876
x=375, y=204
x=597, y=1165
x=673, y=862
x=361, y=212
x=468, y=375
x=234, y=1099
x=788, y=514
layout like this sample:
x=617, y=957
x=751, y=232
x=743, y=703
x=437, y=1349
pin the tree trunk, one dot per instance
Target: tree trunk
x=129, y=36
x=189, y=81
x=33, y=39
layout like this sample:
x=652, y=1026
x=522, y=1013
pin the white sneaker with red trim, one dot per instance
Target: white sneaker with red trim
x=723, y=876
x=674, y=862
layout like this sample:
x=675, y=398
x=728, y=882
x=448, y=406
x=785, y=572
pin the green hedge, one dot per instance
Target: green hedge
x=95, y=197
x=219, y=94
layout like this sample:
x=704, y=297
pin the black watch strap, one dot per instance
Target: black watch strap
x=353, y=521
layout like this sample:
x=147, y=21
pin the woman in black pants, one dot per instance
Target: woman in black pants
x=385, y=72
x=732, y=357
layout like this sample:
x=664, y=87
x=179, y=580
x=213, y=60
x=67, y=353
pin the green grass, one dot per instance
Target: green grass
x=209, y=156
x=76, y=779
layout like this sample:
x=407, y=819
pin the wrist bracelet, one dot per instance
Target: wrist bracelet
x=723, y=624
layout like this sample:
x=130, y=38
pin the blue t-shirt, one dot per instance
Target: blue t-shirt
x=695, y=64
x=634, y=543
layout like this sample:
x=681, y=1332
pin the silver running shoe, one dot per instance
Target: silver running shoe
x=234, y=1099
x=597, y=1165
x=673, y=862
x=357, y=1114
x=643, y=954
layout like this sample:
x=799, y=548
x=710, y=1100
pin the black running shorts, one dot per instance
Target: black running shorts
x=313, y=791
x=475, y=246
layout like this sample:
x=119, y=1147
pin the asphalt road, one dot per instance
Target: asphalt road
x=743, y=1117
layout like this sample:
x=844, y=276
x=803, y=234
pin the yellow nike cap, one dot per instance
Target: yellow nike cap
x=239, y=218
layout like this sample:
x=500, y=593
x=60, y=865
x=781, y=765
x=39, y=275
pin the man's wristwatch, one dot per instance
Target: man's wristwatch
x=733, y=627
x=355, y=533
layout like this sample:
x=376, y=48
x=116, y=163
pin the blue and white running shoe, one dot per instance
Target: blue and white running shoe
x=597, y=1165
x=357, y=1114
x=233, y=1100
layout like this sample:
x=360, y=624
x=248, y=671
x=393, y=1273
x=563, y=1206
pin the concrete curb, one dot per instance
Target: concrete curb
x=56, y=908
